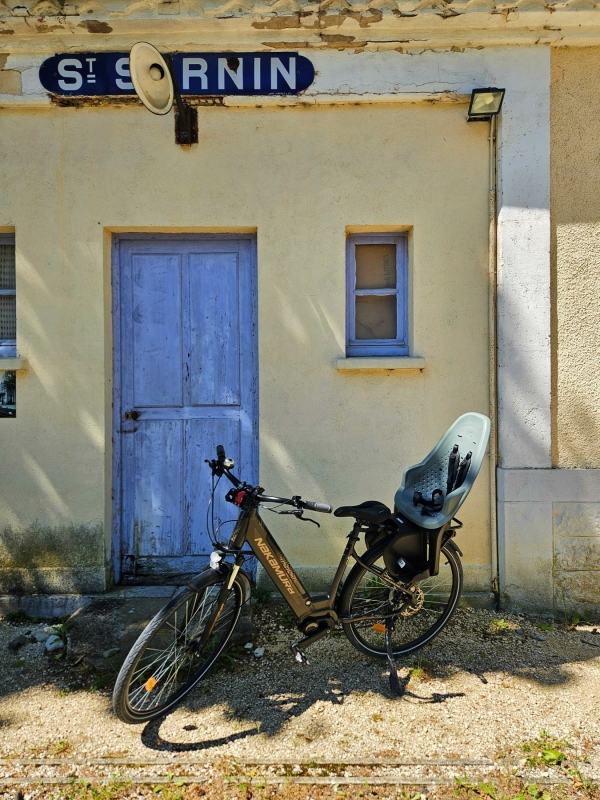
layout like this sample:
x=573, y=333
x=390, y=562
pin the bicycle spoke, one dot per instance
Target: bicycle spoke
x=169, y=661
x=427, y=610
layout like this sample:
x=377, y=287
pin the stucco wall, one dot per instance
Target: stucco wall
x=301, y=178
x=575, y=217
x=575, y=213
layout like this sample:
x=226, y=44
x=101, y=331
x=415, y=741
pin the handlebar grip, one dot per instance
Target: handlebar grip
x=322, y=507
x=220, y=452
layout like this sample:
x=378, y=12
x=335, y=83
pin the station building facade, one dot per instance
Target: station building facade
x=323, y=283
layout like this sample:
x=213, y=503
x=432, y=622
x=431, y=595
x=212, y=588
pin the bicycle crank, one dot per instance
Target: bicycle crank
x=298, y=648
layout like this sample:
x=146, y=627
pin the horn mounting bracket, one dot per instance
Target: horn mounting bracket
x=186, y=116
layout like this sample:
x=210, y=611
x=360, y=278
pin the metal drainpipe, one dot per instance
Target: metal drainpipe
x=493, y=358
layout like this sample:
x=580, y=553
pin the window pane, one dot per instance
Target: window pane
x=376, y=316
x=376, y=266
x=8, y=317
x=7, y=266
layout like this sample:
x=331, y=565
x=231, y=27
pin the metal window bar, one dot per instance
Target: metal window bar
x=8, y=299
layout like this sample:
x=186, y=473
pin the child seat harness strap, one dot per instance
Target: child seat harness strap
x=457, y=472
x=434, y=505
x=452, y=468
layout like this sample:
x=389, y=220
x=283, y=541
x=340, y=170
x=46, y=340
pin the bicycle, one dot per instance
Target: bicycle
x=397, y=597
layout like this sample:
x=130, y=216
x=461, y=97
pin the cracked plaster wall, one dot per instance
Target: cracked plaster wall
x=282, y=14
x=413, y=25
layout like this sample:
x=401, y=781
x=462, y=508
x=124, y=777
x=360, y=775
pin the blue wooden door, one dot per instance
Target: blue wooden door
x=185, y=381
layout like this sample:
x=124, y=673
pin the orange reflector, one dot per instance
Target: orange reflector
x=150, y=684
x=379, y=627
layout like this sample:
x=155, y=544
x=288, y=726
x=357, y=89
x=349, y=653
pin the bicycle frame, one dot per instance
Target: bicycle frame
x=318, y=614
x=251, y=529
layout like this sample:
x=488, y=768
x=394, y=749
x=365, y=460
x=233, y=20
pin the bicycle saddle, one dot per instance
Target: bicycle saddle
x=371, y=511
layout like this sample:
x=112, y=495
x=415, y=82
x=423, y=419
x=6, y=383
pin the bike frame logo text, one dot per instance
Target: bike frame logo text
x=275, y=564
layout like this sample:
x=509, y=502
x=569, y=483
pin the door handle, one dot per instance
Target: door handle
x=134, y=415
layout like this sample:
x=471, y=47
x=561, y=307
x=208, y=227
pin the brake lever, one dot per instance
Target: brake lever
x=298, y=513
x=308, y=519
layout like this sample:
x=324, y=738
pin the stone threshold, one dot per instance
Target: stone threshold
x=49, y=606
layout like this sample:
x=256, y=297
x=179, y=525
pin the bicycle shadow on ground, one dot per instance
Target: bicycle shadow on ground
x=269, y=714
x=249, y=696
x=253, y=697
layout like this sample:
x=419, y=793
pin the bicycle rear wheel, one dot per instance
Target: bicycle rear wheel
x=166, y=662
x=365, y=593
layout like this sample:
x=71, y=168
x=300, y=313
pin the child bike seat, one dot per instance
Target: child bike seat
x=471, y=433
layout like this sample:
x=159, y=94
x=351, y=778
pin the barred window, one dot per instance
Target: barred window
x=8, y=299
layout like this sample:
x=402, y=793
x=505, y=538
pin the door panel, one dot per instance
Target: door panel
x=158, y=500
x=156, y=300
x=185, y=381
x=214, y=324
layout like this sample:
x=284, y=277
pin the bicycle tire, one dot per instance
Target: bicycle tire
x=152, y=678
x=405, y=626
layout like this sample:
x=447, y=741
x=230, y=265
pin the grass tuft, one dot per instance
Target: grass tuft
x=19, y=617
x=546, y=751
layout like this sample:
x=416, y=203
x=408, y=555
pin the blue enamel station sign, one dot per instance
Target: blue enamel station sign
x=93, y=74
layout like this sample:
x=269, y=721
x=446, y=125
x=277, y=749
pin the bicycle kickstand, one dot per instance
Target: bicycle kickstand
x=396, y=688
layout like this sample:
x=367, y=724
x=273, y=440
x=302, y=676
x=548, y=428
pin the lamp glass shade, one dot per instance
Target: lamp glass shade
x=485, y=103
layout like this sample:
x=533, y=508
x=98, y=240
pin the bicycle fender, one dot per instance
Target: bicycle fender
x=379, y=548
x=372, y=551
x=451, y=543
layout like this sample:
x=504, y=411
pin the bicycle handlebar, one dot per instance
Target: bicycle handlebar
x=323, y=508
x=297, y=502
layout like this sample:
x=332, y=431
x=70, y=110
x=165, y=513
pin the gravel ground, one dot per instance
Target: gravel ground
x=479, y=696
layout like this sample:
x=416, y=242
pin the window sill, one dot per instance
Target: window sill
x=8, y=363
x=407, y=363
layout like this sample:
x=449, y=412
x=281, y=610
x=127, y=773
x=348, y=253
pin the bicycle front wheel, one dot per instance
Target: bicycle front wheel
x=365, y=593
x=167, y=661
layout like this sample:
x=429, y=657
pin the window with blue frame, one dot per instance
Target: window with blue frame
x=8, y=296
x=377, y=309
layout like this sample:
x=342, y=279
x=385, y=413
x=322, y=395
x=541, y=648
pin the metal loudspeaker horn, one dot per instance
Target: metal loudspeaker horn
x=155, y=83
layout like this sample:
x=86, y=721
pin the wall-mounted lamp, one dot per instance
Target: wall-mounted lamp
x=485, y=104
x=155, y=83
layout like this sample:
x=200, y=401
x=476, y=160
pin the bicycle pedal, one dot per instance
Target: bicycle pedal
x=299, y=656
